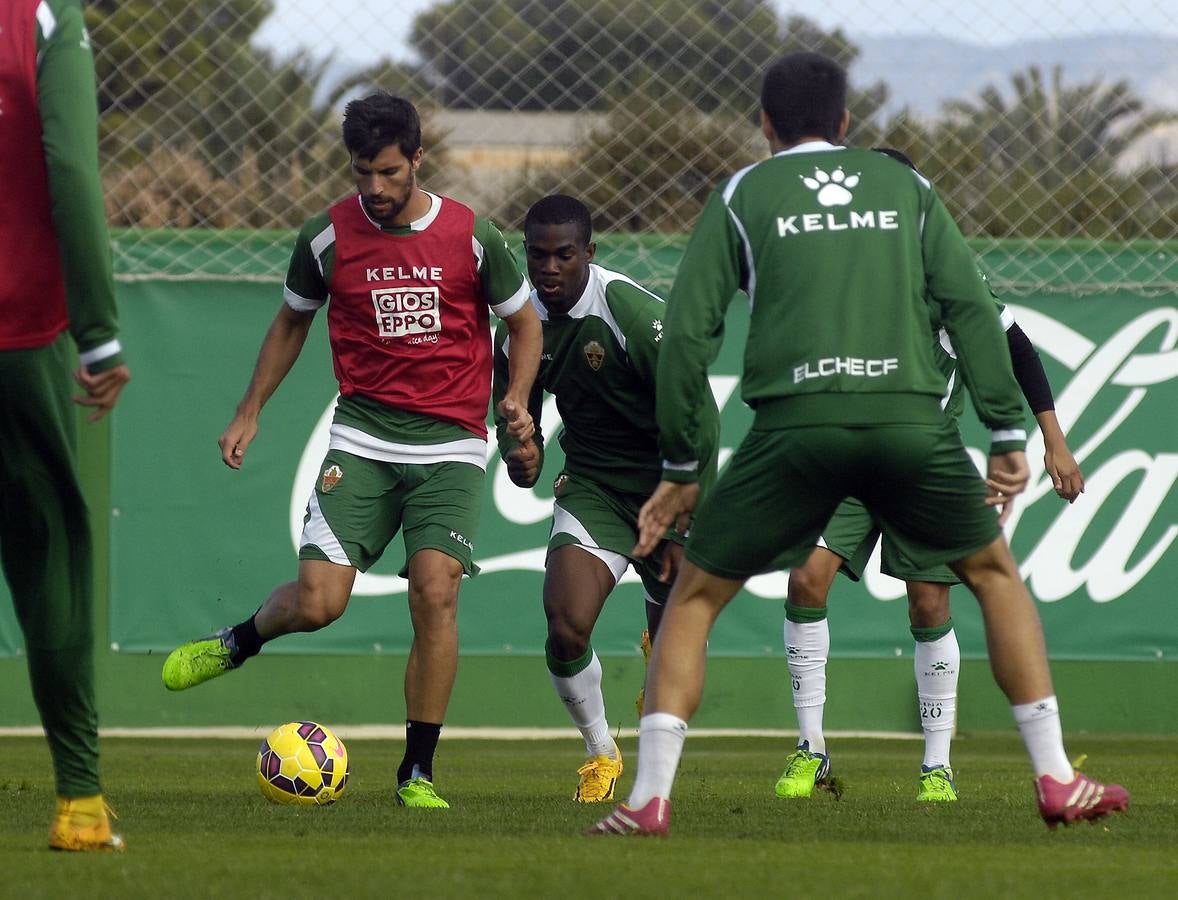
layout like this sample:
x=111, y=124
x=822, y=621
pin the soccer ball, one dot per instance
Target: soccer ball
x=302, y=764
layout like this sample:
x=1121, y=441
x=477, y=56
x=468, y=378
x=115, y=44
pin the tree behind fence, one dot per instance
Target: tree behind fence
x=638, y=107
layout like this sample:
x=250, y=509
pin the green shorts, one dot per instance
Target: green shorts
x=591, y=515
x=782, y=486
x=359, y=504
x=852, y=533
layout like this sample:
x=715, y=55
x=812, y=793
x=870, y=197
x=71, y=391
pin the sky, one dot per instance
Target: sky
x=360, y=30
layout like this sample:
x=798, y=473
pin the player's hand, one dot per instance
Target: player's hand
x=1066, y=477
x=102, y=390
x=519, y=420
x=523, y=464
x=672, y=557
x=236, y=440
x=1006, y=476
x=671, y=503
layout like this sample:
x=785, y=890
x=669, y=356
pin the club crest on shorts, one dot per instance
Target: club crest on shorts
x=331, y=477
x=594, y=355
x=558, y=486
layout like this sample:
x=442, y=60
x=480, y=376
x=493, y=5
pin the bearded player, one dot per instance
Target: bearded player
x=409, y=279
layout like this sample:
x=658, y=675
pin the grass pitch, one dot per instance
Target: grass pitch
x=196, y=826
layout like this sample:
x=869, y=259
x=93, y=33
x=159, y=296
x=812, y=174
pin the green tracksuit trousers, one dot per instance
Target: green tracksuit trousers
x=46, y=554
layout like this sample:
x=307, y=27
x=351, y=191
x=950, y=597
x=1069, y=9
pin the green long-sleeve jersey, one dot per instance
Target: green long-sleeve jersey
x=840, y=251
x=600, y=361
x=66, y=102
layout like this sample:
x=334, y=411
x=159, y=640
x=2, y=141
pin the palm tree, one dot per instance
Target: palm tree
x=1040, y=161
x=1056, y=131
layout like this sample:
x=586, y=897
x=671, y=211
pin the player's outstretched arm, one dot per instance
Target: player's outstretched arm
x=1058, y=461
x=280, y=348
x=1006, y=476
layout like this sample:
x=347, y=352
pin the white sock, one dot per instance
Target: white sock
x=582, y=697
x=1042, y=733
x=807, y=644
x=660, y=744
x=937, y=664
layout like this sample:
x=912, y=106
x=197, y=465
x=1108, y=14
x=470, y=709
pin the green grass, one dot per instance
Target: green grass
x=196, y=826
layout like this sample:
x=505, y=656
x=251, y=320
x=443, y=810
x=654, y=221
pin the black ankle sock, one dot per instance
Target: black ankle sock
x=421, y=740
x=247, y=642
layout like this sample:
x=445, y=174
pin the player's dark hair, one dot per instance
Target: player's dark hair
x=561, y=209
x=374, y=122
x=805, y=95
x=897, y=155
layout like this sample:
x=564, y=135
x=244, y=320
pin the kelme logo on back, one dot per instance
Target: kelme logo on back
x=832, y=190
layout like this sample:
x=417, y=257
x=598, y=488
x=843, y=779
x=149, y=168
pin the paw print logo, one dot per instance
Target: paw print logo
x=657, y=325
x=834, y=189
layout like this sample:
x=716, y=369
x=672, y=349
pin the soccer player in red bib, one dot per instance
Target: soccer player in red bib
x=410, y=279
x=55, y=277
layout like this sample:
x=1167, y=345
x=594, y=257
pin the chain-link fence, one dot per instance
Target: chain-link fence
x=220, y=118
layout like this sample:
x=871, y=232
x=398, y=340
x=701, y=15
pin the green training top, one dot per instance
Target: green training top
x=838, y=250
x=599, y=361
x=66, y=102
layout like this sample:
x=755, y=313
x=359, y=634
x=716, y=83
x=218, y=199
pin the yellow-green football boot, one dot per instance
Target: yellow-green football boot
x=418, y=792
x=199, y=661
x=936, y=785
x=803, y=770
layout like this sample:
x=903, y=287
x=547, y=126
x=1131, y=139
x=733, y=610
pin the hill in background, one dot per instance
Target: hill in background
x=923, y=71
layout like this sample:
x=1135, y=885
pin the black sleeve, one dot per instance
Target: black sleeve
x=1028, y=370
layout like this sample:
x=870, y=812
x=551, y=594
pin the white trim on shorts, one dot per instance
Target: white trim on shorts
x=616, y=562
x=564, y=522
x=317, y=533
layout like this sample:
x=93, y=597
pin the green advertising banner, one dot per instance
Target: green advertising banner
x=198, y=546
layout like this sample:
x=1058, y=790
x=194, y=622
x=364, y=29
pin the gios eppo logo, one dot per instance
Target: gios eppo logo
x=403, y=311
